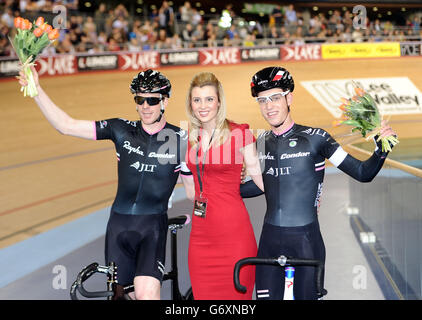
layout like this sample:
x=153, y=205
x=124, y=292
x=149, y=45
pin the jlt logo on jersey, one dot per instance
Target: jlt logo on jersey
x=142, y=167
x=284, y=171
x=312, y=131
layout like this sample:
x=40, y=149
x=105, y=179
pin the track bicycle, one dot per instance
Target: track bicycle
x=117, y=292
x=282, y=261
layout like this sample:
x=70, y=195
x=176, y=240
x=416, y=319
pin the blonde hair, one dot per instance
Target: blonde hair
x=222, y=128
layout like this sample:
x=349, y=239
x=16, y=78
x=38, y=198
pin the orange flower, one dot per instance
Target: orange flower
x=38, y=32
x=359, y=91
x=343, y=107
x=355, y=98
x=26, y=24
x=47, y=28
x=345, y=101
x=18, y=22
x=39, y=22
x=53, y=34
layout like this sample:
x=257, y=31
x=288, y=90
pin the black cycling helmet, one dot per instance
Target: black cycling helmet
x=150, y=81
x=270, y=78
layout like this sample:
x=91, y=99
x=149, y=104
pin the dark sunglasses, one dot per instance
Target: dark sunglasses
x=152, y=101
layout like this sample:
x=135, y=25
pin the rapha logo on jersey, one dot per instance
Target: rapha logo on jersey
x=284, y=171
x=131, y=149
x=142, y=167
x=294, y=155
x=132, y=123
x=312, y=131
x=267, y=156
x=161, y=155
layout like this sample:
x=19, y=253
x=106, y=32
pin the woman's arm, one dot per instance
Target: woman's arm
x=253, y=169
x=59, y=119
x=189, y=185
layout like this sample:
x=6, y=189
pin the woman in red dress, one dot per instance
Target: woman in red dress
x=221, y=231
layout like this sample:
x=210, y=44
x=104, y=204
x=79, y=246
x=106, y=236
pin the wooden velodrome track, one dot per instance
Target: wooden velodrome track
x=47, y=179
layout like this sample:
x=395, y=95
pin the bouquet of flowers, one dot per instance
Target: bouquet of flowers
x=362, y=113
x=29, y=41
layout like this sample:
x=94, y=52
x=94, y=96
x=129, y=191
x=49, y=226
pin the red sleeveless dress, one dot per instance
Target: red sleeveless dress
x=225, y=235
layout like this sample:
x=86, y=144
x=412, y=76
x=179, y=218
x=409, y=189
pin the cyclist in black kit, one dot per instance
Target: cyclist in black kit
x=150, y=154
x=292, y=161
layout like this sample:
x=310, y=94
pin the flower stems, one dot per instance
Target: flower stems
x=30, y=89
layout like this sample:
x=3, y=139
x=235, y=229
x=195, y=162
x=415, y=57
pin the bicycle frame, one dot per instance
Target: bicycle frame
x=281, y=261
x=173, y=274
x=114, y=290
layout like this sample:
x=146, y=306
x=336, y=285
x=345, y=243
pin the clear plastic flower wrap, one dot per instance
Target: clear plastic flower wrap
x=28, y=42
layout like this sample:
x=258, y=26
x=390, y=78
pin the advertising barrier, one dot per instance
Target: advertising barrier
x=260, y=54
x=301, y=53
x=97, y=62
x=219, y=56
x=393, y=96
x=360, y=50
x=413, y=49
x=74, y=63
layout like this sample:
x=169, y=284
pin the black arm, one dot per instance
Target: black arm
x=364, y=171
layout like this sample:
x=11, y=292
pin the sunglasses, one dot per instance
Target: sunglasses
x=275, y=97
x=152, y=101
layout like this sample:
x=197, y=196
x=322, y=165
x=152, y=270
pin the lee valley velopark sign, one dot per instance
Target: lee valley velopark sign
x=394, y=96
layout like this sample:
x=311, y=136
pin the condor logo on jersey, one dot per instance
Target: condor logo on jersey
x=294, y=155
x=161, y=155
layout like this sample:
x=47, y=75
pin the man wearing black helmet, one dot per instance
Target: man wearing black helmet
x=292, y=161
x=150, y=154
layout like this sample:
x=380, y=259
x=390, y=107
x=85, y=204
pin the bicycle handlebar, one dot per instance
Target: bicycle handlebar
x=173, y=224
x=85, y=274
x=281, y=261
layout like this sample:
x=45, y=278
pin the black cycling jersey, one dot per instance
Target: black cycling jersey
x=148, y=164
x=293, y=165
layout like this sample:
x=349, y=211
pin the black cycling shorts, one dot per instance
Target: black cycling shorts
x=296, y=242
x=137, y=244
